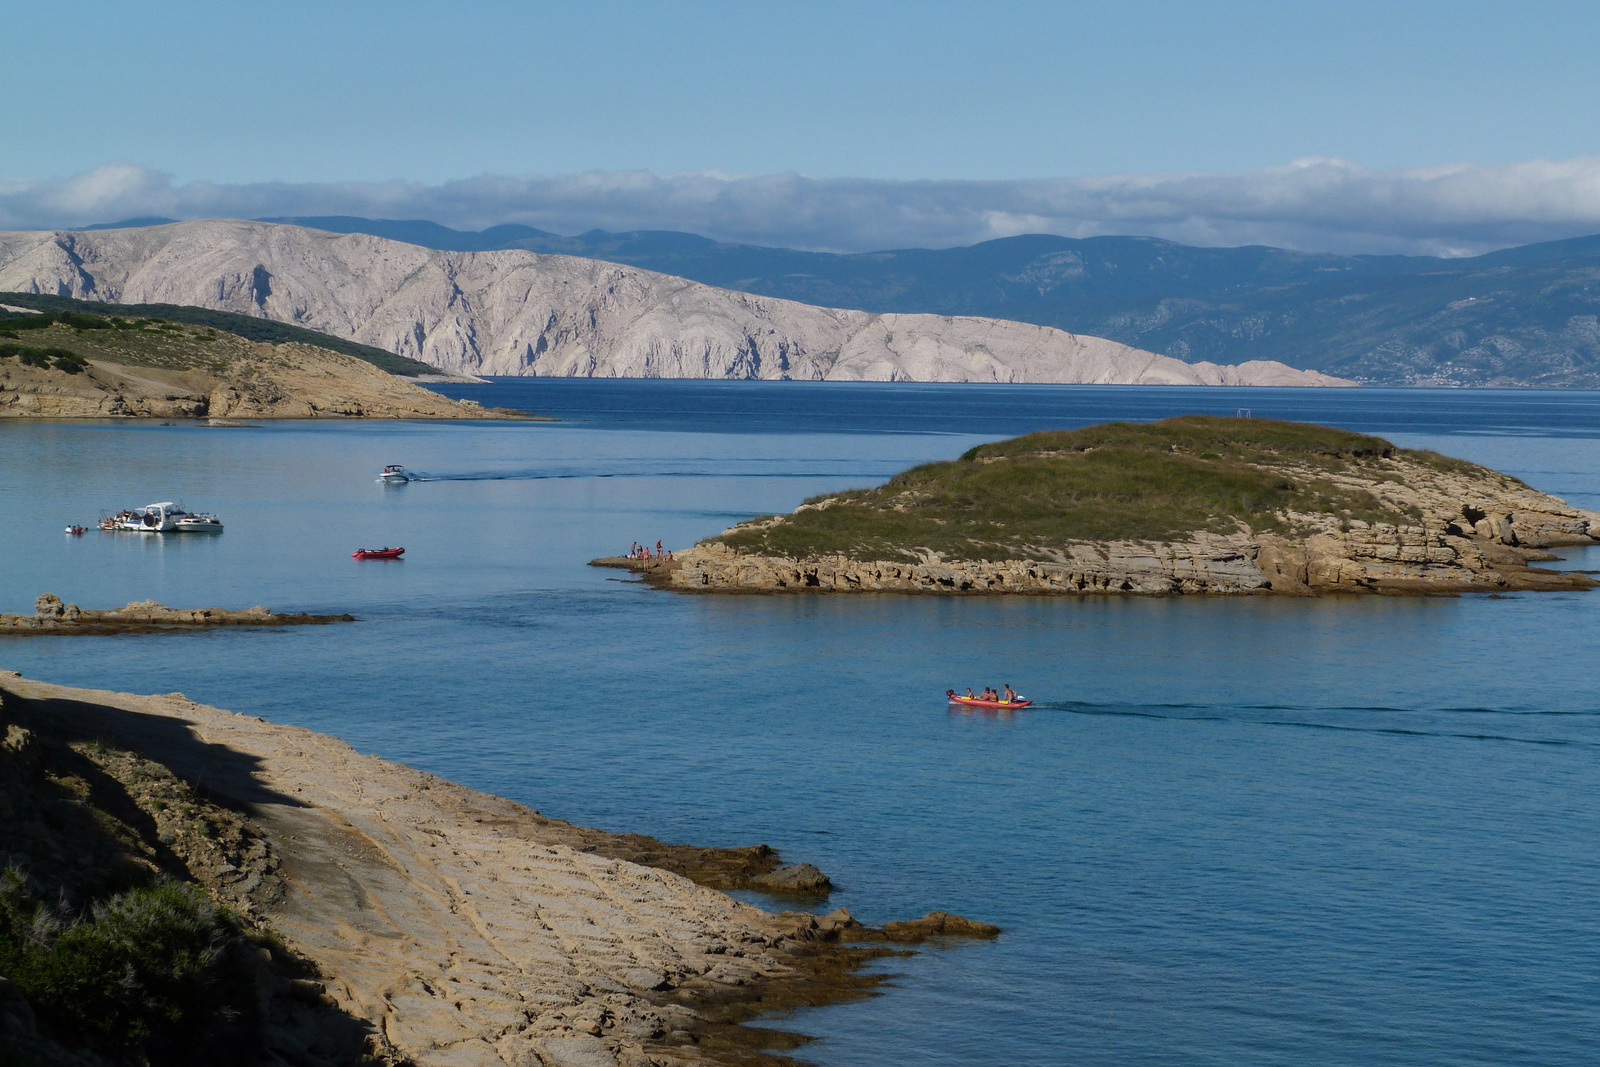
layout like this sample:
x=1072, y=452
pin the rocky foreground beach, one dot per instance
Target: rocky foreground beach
x=428, y=923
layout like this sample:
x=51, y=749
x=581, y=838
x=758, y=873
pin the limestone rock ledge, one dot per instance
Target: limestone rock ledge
x=1432, y=557
x=51, y=616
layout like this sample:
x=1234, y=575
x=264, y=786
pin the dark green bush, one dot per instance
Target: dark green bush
x=40, y=321
x=64, y=360
x=79, y=320
x=61, y=358
x=140, y=971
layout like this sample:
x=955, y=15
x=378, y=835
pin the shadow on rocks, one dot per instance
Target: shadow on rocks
x=126, y=931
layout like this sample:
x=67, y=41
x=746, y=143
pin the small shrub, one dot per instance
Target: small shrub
x=64, y=360
x=139, y=971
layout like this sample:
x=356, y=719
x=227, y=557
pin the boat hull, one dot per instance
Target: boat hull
x=999, y=705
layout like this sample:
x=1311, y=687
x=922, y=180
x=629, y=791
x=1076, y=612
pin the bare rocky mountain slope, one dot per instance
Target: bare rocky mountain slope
x=521, y=313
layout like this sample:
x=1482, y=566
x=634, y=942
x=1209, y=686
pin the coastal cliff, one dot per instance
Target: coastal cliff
x=77, y=366
x=520, y=313
x=1188, y=505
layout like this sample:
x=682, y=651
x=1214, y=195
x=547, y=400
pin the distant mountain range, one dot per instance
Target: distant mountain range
x=516, y=312
x=1520, y=316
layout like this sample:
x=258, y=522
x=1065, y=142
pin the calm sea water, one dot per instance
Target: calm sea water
x=1342, y=831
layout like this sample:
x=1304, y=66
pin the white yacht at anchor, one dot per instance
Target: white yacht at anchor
x=165, y=517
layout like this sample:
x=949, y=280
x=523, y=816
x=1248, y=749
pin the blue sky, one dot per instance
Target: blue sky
x=244, y=95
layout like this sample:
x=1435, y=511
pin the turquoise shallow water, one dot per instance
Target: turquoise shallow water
x=1345, y=831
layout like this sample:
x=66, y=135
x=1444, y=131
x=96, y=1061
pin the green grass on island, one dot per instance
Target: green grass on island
x=1026, y=497
x=152, y=334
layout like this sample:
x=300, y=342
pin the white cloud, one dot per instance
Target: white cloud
x=1315, y=204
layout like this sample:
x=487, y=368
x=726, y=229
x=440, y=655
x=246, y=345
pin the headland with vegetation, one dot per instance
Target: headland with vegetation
x=73, y=363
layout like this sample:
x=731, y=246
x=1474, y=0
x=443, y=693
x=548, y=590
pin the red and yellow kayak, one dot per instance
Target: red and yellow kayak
x=976, y=702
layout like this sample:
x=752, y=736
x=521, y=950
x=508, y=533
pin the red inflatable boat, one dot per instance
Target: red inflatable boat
x=975, y=702
x=377, y=553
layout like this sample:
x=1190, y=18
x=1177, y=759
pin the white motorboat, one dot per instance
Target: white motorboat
x=394, y=472
x=199, y=522
x=165, y=517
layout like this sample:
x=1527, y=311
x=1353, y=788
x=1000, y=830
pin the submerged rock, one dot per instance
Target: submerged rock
x=939, y=924
x=799, y=879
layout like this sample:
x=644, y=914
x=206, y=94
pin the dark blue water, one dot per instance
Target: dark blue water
x=1343, y=831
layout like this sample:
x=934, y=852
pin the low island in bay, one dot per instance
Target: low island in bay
x=1195, y=504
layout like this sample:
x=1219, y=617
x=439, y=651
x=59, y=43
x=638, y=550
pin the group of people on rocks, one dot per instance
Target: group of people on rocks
x=643, y=552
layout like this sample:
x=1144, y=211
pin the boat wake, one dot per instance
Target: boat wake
x=1413, y=725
